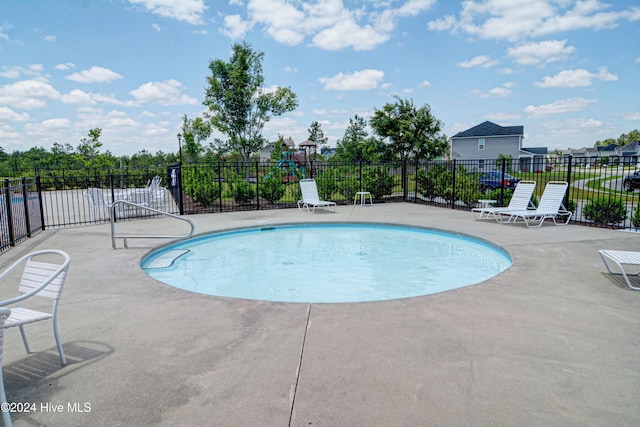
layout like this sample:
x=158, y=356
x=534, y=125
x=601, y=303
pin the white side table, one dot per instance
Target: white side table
x=363, y=198
x=486, y=203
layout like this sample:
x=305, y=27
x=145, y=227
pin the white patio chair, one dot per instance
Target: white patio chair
x=39, y=279
x=520, y=200
x=98, y=206
x=621, y=258
x=6, y=415
x=310, y=197
x=550, y=206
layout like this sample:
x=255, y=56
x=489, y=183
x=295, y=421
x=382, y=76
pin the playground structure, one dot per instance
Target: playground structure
x=294, y=161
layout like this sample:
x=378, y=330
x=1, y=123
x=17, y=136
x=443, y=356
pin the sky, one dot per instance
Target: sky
x=566, y=70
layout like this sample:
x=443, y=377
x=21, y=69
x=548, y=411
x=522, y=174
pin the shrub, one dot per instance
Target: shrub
x=327, y=182
x=241, y=191
x=635, y=219
x=377, y=181
x=605, y=211
x=272, y=188
x=201, y=186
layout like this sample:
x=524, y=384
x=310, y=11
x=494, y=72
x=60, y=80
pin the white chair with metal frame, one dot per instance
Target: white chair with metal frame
x=39, y=279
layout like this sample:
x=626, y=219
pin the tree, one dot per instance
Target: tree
x=316, y=134
x=357, y=145
x=239, y=105
x=411, y=131
x=193, y=132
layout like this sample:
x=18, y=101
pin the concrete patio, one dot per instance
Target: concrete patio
x=552, y=341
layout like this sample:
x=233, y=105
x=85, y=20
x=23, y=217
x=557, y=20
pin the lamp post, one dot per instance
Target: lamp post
x=180, y=146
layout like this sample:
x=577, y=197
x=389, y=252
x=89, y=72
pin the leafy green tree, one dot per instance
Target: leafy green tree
x=508, y=158
x=239, y=104
x=194, y=131
x=316, y=134
x=411, y=131
x=89, y=147
x=356, y=144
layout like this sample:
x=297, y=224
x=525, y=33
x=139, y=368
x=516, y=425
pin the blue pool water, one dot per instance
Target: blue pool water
x=326, y=263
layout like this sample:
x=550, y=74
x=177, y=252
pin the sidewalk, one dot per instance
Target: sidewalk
x=551, y=341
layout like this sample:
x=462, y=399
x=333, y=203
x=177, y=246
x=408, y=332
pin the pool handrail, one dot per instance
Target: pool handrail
x=124, y=237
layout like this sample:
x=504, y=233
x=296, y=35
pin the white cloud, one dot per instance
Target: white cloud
x=33, y=70
x=65, y=66
x=168, y=92
x=94, y=75
x=576, y=78
x=358, y=80
x=329, y=23
x=349, y=34
x=515, y=19
x=632, y=116
x=425, y=83
x=28, y=94
x=559, y=107
x=156, y=27
x=189, y=11
x=8, y=115
x=542, y=52
x=478, y=61
x=76, y=96
x=500, y=91
x=235, y=27
x=56, y=123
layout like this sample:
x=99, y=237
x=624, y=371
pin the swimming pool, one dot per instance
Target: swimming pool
x=326, y=263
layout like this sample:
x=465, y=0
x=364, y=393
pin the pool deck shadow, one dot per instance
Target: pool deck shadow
x=551, y=341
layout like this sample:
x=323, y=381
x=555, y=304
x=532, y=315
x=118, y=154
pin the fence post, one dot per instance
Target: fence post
x=257, y=186
x=40, y=204
x=7, y=198
x=415, y=192
x=566, y=195
x=180, y=200
x=25, y=203
x=220, y=185
x=360, y=177
x=453, y=186
x=504, y=170
x=405, y=177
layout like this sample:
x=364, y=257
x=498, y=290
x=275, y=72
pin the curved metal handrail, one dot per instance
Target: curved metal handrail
x=124, y=237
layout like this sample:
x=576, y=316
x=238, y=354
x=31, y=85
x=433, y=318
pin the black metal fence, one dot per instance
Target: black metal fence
x=598, y=192
x=21, y=213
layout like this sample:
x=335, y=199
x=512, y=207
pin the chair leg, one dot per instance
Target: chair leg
x=24, y=339
x=6, y=415
x=60, y=350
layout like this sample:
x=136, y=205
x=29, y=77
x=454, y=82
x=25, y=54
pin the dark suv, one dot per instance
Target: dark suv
x=631, y=181
x=491, y=180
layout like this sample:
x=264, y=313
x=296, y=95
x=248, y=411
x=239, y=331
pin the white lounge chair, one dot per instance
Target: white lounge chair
x=520, y=200
x=6, y=415
x=621, y=258
x=550, y=206
x=98, y=205
x=39, y=279
x=310, y=198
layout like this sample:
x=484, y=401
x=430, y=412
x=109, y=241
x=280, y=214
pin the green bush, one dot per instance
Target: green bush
x=608, y=211
x=241, y=191
x=438, y=181
x=327, y=182
x=272, y=188
x=635, y=219
x=199, y=184
x=377, y=181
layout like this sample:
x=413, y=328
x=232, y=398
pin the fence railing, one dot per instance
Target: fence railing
x=598, y=193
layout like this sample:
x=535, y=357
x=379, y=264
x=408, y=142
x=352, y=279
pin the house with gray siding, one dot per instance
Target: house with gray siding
x=487, y=141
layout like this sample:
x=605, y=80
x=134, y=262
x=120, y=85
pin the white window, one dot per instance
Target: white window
x=480, y=164
x=481, y=144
